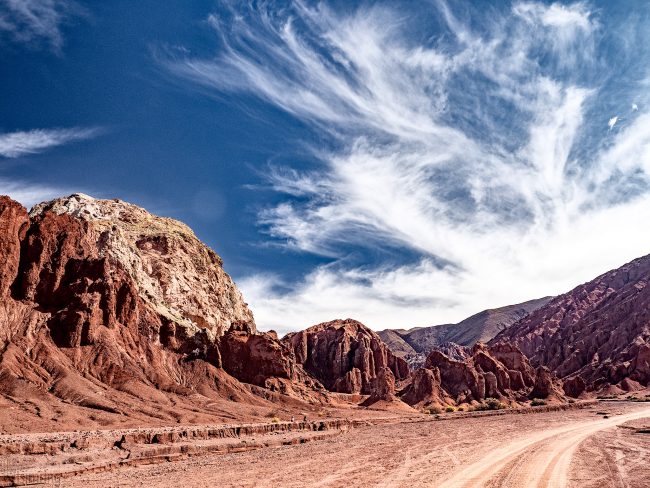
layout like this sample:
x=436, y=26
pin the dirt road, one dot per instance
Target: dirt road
x=538, y=460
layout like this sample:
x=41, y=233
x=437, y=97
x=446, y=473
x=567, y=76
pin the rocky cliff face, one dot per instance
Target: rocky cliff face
x=172, y=271
x=596, y=335
x=96, y=266
x=262, y=360
x=104, y=306
x=501, y=372
x=345, y=356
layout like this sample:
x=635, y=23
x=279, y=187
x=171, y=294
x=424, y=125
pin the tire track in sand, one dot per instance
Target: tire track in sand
x=540, y=460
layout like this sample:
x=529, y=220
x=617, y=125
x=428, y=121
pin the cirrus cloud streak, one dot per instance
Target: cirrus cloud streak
x=20, y=143
x=477, y=142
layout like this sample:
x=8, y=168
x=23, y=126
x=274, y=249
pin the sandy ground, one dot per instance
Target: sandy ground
x=596, y=447
x=600, y=446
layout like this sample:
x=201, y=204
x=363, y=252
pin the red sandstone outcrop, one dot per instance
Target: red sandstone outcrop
x=574, y=386
x=383, y=395
x=173, y=272
x=345, y=356
x=546, y=385
x=383, y=388
x=13, y=225
x=105, y=306
x=426, y=389
x=262, y=360
x=501, y=372
x=596, y=335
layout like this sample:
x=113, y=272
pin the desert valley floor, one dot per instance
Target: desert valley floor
x=603, y=444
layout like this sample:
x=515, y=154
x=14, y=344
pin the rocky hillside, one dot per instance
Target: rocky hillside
x=110, y=314
x=172, y=272
x=500, y=372
x=345, y=355
x=415, y=344
x=596, y=335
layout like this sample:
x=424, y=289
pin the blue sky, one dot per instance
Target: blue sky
x=402, y=163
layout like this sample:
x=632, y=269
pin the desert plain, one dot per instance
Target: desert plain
x=594, y=444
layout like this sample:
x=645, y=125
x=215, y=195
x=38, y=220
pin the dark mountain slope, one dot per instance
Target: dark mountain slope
x=599, y=331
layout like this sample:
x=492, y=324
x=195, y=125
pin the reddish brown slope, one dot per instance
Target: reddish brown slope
x=109, y=314
x=599, y=331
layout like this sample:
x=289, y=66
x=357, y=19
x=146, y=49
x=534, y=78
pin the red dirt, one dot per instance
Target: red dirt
x=543, y=449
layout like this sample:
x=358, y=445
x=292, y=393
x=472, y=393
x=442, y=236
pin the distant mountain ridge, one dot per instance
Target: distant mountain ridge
x=415, y=344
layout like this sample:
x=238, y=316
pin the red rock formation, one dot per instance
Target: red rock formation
x=13, y=225
x=599, y=331
x=546, y=385
x=261, y=359
x=522, y=374
x=383, y=387
x=426, y=389
x=574, y=386
x=345, y=356
x=105, y=306
x=500, y=372
x=459, y=379
x=175, y=274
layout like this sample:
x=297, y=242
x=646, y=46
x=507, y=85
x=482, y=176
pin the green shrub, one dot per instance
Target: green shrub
x=450, y=409
x=433, y=410
x=490, y=404
x=494, y=404
x=537, y=402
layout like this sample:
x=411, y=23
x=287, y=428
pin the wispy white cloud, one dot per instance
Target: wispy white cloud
x=567, y=29
x=473, y=150
x=612, y=122
x=568, y=21
x=20, y=143
x=16, y=144
x=36, y=21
